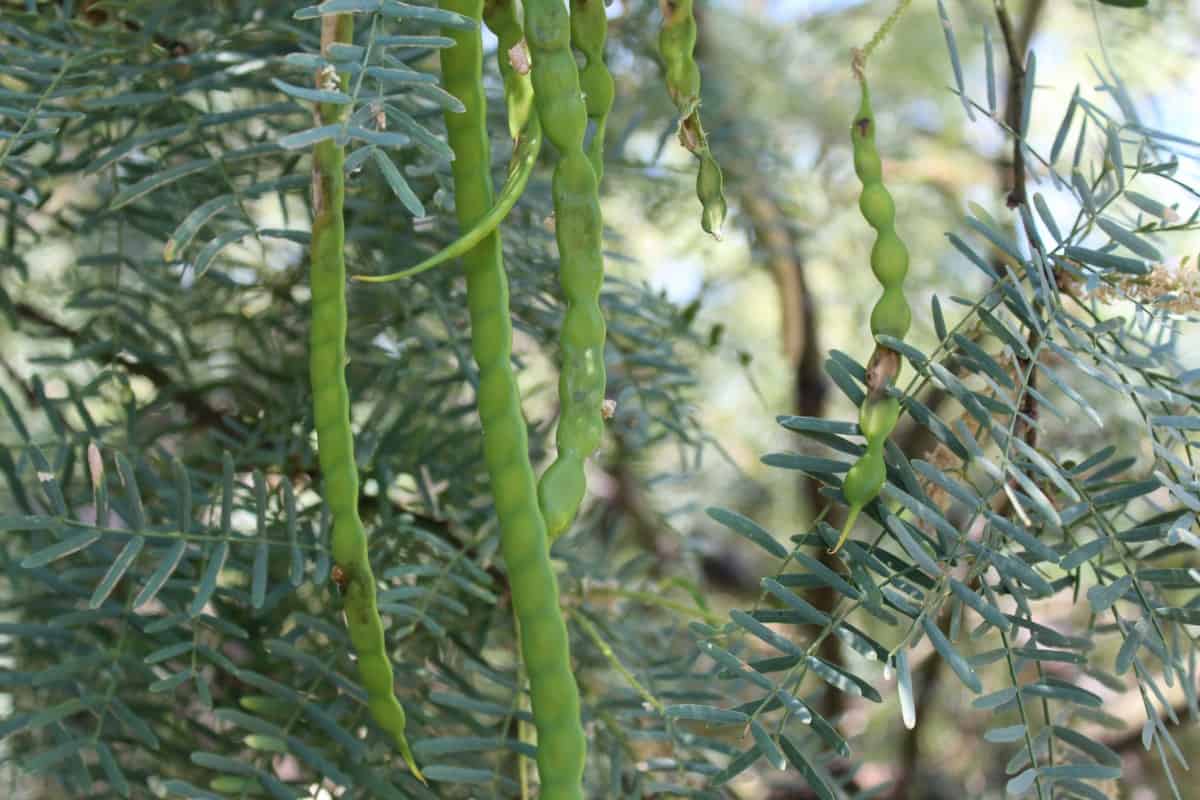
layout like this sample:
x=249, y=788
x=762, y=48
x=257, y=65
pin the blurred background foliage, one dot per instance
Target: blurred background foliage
x=169, y=629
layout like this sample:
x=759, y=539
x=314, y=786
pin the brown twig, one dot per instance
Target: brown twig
x=1017, y=45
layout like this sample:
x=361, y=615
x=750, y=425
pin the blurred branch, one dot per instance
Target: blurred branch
x=799, y=320
x=628, y=504
x=1017, y=45
x=195, y=405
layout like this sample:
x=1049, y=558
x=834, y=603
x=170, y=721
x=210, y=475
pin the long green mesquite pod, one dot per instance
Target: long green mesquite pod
x=331, y=408
x=544, y=644
x=676, y=45
x=589, y=31
x=891, y=317
x=578, y=227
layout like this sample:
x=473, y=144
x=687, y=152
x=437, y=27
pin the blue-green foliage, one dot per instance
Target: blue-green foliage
x=169, y=623
x=970, y=541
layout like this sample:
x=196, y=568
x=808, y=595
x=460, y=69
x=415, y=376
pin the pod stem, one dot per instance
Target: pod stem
x=859, y=55
x=851, y=518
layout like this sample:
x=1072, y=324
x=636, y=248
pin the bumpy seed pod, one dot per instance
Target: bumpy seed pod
x=867, y=476
x=544, y=644
x=889, y=256
x=578, y=227
x=331, y=411
x=589, y=30
x=890, y=317
x=676, y=44
x=503, y=18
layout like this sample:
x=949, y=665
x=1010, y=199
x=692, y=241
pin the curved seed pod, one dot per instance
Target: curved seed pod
x=524, y=157
x=589, y=31
x=578, y=228
x=331, y=411
x=890, y=317
x=676, y=44
x=544, y=643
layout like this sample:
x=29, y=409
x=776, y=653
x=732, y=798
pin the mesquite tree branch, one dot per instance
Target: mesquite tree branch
x=1016, y=44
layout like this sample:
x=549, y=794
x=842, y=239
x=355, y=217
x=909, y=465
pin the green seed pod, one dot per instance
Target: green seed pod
x=710, y=188
x=548, y=28
x=867, y=165
x=878, y=418
x=891, y=316
x=589, y=31
x=876, y=203
x=889, y=259
x=578, y=231
x=504, y=20
x=523, y=539
x=864, y=480
x=560, y=493
x=331, y=413
x=676, y=43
